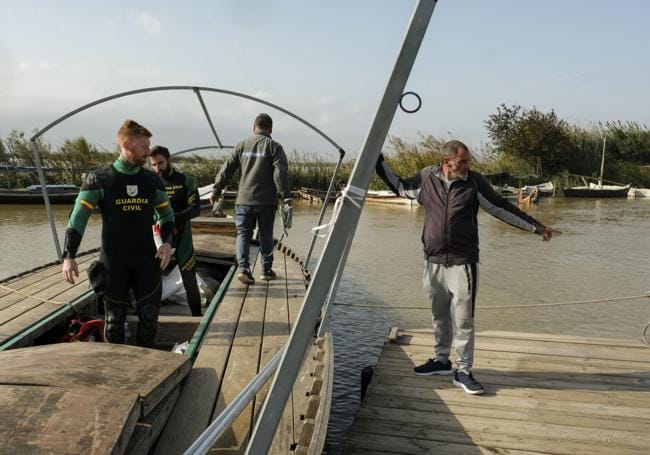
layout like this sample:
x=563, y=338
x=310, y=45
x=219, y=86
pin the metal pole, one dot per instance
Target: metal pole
x=344, y=226
x=334, y=289
x=224, y=420
x=602, y=164
x=46, y=198
x=207, y=116
x=324, y=207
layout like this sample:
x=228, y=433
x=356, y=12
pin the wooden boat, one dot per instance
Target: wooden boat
x=528, y=195
x=58, y=194
x=316, y=195
x=388, y=197
x=107, y=398
x=597, y=190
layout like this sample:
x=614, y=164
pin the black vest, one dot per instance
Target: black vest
x=127, y=214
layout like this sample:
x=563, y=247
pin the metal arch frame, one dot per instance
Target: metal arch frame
x=203, y=147
x=197, y=90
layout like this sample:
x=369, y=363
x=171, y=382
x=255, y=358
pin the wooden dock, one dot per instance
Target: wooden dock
x=251, y=324
x=544, y=394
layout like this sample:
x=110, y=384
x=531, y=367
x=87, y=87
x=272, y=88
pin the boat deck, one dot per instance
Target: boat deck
x=34, y=302
x=544, y=394
x=251, y=324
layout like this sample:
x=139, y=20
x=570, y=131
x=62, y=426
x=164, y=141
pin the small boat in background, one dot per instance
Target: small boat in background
x=388, y=197
x=33, y=194
x=590, y=189
x=594, y=190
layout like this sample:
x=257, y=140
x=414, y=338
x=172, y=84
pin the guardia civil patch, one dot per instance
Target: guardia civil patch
x=132, y=190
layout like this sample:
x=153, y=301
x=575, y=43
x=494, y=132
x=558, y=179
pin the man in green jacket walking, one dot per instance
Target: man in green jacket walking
x=184, y=198
x=129, y=198
x=263, y=167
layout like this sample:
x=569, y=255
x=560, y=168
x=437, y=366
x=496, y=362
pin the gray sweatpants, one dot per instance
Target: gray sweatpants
x=452, y=293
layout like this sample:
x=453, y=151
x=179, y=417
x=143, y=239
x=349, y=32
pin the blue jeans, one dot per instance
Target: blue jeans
x=246, y=216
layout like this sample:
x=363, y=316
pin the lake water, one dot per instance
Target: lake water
x=603, y=253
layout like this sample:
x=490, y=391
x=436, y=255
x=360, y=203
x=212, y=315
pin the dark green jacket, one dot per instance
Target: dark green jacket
x=264, y=170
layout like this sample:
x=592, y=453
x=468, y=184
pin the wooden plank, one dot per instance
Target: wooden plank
x=213, y=225
x=44, y=419
x=217, y=246
x=243, y=365
x=193, y=410
x=556, y=337
x=372, y=444
x=543, y=362
x=486, y=436
x=276, y=333
x=147, y=430
x=495, y=383
x=494, y=408
x=19, y=323
x=533, y=370
x=534, y=399
x=560, y=349
x=30, y=281
x=99, y=366
x=43, y=288
x=392, y=335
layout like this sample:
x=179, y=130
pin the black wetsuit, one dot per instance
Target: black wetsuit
x=130, y=199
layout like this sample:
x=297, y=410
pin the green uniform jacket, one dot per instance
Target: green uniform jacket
x=184, y=198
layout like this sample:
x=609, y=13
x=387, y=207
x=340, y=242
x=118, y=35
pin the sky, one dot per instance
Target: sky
x=327, y=62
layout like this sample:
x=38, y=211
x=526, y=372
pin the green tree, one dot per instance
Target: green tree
x=20, y=147
x=4, y=156
x=539, y=138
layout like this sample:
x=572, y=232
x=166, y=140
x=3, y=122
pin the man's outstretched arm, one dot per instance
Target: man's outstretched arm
x=408, y=188
x=497, y=206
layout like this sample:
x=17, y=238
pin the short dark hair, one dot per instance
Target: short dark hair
x=131, y=128
x=263, y=122
x=160, y=150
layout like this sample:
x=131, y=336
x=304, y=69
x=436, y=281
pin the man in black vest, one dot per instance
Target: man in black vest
x=184, y=198
x=130, y=199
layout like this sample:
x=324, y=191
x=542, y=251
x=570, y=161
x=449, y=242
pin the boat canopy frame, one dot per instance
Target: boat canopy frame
x=197, y=91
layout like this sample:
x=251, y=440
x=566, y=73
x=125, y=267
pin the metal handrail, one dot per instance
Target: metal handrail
x=224, y=420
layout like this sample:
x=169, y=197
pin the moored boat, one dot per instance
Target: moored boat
x=58, y=194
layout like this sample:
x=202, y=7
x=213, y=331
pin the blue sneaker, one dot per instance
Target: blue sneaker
x=468, y=383
x=433, y=367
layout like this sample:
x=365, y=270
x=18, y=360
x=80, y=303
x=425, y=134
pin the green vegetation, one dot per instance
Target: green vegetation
x=524, y=142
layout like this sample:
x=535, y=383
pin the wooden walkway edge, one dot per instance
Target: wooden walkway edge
x=544, y=394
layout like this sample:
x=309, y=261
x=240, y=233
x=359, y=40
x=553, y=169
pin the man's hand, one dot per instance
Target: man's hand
x=549, y=232
x=70, y=270
x=214, y=198
x=164, y=254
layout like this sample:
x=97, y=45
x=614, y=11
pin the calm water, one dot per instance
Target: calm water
x=603, y=252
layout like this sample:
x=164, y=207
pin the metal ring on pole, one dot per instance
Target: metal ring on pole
x=410, y=111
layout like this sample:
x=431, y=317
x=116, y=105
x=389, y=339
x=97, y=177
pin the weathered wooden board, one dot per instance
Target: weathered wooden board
x=41, y=419
x=147, y=430
x=97, y=366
